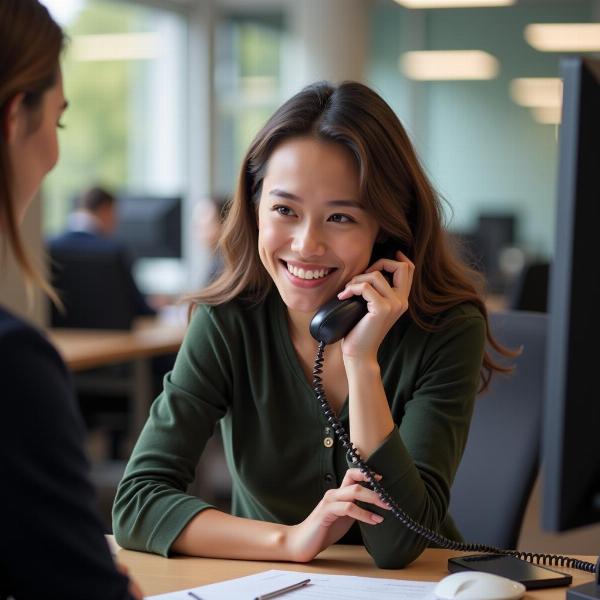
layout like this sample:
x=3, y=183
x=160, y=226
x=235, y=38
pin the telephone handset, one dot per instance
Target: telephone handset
x=334, y=320
x=337, y=317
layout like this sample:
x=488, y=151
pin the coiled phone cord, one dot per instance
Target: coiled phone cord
x=405, y=519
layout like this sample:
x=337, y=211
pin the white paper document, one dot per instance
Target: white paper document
x=321, y=587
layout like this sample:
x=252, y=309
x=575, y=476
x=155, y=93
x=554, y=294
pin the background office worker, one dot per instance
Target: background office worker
x=90, y=229
x=208, y=217
x=52, y=543
x=329, y=184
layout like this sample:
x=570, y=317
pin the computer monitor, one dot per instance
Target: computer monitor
x=571, y=428
x=150, y=226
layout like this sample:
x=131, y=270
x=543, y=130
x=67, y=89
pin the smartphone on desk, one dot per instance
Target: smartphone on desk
x=530, y=575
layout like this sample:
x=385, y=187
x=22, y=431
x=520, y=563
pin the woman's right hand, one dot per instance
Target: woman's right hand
x=333, y=517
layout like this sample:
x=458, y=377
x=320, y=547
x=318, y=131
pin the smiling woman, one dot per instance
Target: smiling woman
x=313, y=233
x=330, y=196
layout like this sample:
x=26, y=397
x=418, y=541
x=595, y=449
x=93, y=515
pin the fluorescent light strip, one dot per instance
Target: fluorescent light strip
x=537, y=91
x=116, y=46
x=453, y=3
x=547, y=115
x=441, y=65
x=564, y=37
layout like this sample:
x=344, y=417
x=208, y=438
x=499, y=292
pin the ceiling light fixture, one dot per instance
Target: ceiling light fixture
x=537, y=91
x=563, y=37
x=116, y=46
x=453, y=3
x=547, y=115
x=442, y=65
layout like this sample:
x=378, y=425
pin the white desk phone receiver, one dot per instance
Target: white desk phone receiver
x=476, y=585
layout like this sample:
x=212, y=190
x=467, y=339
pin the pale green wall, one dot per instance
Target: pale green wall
x=482, y=151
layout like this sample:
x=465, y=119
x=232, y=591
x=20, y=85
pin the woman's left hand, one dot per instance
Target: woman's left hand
x=386, y=304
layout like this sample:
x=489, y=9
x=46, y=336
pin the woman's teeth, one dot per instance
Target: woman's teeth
x=307, y=274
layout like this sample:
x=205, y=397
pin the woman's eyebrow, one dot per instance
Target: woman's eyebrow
x=289, y=196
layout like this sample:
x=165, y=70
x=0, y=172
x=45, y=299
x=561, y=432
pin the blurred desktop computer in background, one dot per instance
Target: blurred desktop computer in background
x=151, y=227
x=482, y=247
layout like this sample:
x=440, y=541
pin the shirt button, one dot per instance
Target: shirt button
x=328, y=478
x=328, y=442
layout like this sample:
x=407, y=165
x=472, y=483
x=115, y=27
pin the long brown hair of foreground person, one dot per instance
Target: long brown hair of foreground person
x=29, y=64
x=393, y=188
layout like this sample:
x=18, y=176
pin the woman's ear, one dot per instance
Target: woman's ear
x=12, y=118
x=382, y=237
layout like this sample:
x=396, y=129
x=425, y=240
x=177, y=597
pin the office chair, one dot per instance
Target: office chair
x=500, y=463
x=95, y=289
x=530, y=290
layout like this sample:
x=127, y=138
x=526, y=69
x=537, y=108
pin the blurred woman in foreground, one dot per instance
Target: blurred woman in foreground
x=52, y=541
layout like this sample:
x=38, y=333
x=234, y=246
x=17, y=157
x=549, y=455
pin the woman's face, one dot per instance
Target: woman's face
x=33, y=151
x=313, y=233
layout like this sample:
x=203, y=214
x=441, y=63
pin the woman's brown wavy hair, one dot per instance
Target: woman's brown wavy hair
x=30, y=46
x=393, y=188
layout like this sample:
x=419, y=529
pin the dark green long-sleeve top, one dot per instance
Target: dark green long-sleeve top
x=238, y=365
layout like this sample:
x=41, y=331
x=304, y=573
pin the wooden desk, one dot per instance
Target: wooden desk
x=89, y=348
x=157, y=575
x=83, y=349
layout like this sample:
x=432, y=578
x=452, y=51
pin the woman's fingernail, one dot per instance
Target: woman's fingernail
x=377, y=518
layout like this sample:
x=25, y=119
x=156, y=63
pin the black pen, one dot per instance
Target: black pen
x=192, y=595
x=284, y=590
